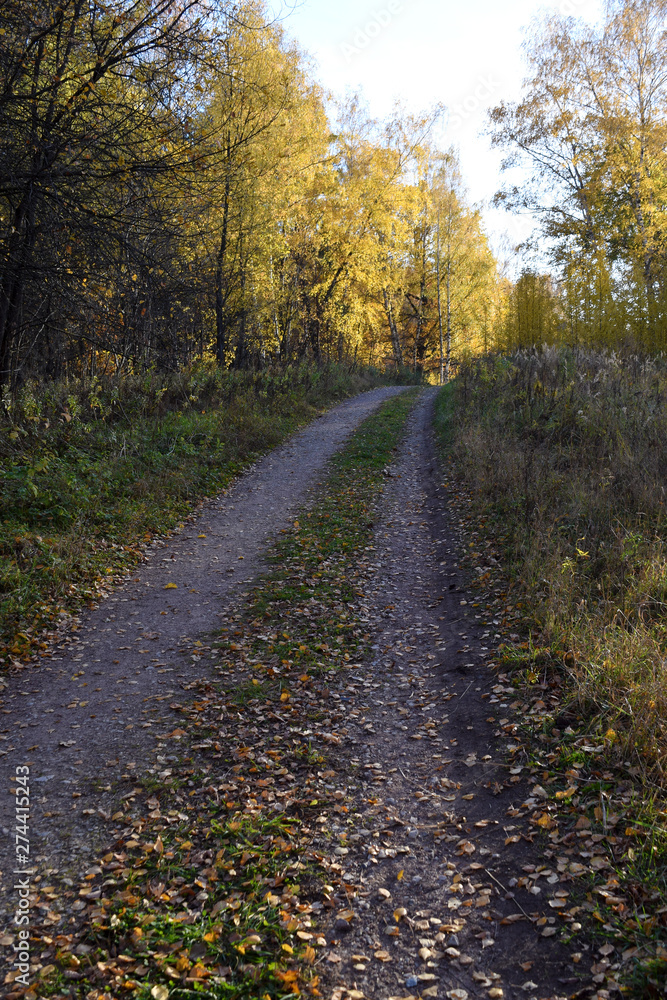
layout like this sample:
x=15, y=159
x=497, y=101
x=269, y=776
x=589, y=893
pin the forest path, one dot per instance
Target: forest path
x=445, y=884
x=85, y=713
x=456, y=888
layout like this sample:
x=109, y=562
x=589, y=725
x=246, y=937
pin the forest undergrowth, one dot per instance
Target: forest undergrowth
x=560, y=458
x=93, y=468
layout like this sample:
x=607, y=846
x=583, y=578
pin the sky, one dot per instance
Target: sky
x=466, y=55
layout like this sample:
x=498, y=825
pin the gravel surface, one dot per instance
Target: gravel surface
x=440, y=898
x=84, y=714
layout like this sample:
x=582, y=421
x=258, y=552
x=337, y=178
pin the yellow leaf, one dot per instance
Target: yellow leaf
x=400, y=875
x=284, y=696
x=288, y=948
x=171, y=586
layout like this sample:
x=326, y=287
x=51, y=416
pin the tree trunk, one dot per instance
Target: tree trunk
x=449, y=320
x=437, y=273
x=393, y=329
x=18, y=258
x=220, y=326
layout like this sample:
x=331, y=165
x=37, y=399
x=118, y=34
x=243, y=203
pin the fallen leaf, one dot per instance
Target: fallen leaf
x=513, y=918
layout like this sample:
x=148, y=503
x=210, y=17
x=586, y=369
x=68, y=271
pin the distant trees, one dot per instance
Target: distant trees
x=593, y=126
x=533, y=313
x=441, y=300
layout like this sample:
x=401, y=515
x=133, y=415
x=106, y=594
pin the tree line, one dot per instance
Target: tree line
x=173, y=185
x=591, y=128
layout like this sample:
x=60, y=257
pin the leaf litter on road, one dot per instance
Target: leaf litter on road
x=259, y=852
x=208, y=885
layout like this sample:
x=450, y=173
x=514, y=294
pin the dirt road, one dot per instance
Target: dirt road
x=86, y=711
x=456, y=891
x=449, y=887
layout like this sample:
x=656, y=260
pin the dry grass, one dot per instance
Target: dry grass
x=566, y=456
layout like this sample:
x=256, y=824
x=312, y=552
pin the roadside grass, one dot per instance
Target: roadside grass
x=215, y=884
x=93, y=469
x=559, y=458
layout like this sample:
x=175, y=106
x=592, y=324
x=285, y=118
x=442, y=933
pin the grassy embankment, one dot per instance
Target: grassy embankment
x=213, y=886
x=561, y=458
x=92, y=469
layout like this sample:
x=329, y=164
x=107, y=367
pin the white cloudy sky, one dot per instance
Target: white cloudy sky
x=466, y=55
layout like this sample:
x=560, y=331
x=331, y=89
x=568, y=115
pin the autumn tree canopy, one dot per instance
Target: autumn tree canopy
x=592, y=130
x=171, y=185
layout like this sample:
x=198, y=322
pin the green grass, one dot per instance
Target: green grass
x=91, y=471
